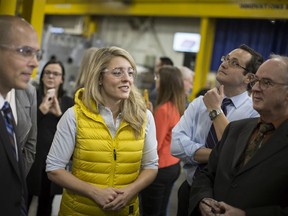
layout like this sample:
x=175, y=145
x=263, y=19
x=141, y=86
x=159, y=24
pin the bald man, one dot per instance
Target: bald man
x=19, y=55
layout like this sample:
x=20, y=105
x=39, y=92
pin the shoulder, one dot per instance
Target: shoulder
x=243, y=123
x=30, y=91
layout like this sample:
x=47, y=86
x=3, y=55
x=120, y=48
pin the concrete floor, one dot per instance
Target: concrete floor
x=172, y=208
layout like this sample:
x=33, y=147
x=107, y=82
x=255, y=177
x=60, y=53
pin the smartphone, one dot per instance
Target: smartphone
x=50, y=93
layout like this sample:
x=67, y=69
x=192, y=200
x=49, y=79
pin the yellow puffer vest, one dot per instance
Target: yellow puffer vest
x=102, y=161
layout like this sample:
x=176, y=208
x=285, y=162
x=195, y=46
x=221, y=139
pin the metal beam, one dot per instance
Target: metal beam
x=203, y=60
x=217, y=9
x=8, y=7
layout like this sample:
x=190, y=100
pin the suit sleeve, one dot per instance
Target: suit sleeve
x=202, y=185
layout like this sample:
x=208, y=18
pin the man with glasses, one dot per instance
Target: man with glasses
x=204, y=121
x=19, y=55
x=248, y=169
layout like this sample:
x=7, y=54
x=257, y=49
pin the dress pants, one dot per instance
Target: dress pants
x=155, y=198
x=183, y=199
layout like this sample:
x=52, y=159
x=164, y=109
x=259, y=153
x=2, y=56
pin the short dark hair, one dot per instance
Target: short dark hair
x=61, y=90
x=256, y=60
x=166, y=61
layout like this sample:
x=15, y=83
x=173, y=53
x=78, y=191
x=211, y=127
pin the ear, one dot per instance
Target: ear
x=100, y=81
x=248, y=77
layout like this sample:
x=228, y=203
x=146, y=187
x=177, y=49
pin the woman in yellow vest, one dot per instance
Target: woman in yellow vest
x=111, y=138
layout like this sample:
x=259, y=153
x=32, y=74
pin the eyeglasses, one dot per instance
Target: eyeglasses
x=25, y=51
x=232, y=62
x=119, y=72
x=264, y=83
x=49, y=73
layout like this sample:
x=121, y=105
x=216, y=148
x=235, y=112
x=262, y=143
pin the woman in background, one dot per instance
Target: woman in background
x=170, y=105
x=86, y=58
x=52, y=103
x=112, y=138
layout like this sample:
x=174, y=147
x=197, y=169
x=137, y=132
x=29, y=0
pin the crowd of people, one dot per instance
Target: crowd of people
x=108, y=153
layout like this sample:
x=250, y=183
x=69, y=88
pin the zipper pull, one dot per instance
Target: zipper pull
x=115, y=156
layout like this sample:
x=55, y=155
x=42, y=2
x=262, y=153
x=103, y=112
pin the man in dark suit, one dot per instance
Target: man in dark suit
x=19, y=55
x=240, y=180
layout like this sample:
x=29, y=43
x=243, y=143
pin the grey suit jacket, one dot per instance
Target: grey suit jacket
x=260, y=187
x=26, y=129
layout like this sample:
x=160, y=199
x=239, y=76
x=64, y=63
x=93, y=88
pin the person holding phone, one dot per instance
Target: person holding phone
x=52, y=103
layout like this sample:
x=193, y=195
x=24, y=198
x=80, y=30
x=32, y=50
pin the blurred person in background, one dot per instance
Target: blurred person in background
x=111, y=137
x=51, y=106
x=188, y=78
x=161, y=62
x=86, y=58
x=170, y=105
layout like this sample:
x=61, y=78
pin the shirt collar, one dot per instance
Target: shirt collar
x=239, y=99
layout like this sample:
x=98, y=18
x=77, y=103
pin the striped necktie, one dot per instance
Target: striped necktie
x=9, y=122
x=211, y=139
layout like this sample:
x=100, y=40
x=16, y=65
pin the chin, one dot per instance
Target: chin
x=22, y=85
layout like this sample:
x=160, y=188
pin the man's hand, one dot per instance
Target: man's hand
x=213, y=98
x=209, y=206
x=230, y=210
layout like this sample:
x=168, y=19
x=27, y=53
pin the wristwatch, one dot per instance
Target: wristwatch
x=214, y=113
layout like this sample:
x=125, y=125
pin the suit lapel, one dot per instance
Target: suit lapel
x=277, y=142
x=6, y=143
x=23, y=108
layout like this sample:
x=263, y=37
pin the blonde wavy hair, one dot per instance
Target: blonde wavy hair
x=133, y=109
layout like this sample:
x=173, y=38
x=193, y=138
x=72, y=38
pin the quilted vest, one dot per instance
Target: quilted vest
x=102, y=161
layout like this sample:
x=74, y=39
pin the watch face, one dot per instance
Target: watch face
x=214, y=113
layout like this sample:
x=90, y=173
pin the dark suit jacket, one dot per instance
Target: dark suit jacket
x=12, y=180
x=26, y=129
x=260, y=187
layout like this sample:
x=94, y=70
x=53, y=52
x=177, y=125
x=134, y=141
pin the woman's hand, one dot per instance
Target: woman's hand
x=104, y=196
x=123, y=198
x=55, y=107
x=46, y=104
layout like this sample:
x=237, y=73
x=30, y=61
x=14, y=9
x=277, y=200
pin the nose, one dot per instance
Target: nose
x=256, y=86
x=125, y=76
x=34, y=62
x=225, y=63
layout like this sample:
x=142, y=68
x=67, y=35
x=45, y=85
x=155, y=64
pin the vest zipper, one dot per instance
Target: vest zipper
x=115, y=156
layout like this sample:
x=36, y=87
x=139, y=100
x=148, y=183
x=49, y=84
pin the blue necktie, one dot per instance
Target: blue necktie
x=9, y=122
x=211, y=139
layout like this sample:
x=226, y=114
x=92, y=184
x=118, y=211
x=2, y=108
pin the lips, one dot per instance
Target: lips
x=256, y=98
x=124, y=87
x=26, y=76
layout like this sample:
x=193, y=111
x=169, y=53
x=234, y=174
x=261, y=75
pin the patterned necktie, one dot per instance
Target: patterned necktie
x=211, y=139
x=9, y=122
x=256, y=143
